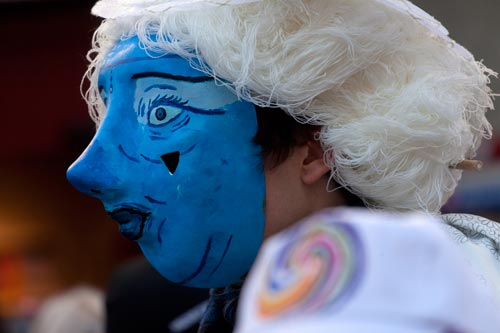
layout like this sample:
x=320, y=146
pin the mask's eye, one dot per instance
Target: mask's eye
x=160, y=115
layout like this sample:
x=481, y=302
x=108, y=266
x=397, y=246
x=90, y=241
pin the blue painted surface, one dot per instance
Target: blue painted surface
x=201, y=225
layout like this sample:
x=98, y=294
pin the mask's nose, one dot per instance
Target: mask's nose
x=92, y=174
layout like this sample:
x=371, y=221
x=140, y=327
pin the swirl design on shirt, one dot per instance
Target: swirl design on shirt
x=317, y=268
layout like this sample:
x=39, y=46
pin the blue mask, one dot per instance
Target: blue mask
x=175, y=165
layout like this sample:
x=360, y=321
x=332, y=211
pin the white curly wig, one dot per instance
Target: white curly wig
x=398, y=101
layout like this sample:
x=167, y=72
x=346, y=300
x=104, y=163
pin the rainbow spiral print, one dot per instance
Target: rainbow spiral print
x=318, y=267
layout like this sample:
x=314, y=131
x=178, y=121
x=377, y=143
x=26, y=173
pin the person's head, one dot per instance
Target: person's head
x=79, y=310
x=372, y=101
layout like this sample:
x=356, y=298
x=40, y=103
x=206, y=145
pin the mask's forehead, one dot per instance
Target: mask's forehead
x=124, y=51
x=130, y=50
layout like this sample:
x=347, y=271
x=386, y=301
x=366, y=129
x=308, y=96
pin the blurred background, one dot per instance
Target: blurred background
x=51, y=237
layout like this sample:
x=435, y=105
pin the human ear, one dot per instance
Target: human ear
x=313, y=165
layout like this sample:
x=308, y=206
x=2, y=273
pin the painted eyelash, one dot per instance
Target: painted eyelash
x=175, y=101
x=167, y=99
x=160, y=100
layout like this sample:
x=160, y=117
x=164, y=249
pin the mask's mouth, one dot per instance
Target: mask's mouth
x=131, y=222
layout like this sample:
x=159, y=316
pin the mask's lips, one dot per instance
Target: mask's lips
x=131, y=221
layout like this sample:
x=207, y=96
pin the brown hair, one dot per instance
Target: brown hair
x=279, y=133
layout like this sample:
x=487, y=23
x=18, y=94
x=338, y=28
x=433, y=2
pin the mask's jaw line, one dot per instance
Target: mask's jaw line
x=202, y=264
x=228, y=244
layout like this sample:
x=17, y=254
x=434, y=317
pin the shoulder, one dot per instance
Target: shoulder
x=379, y=268
x=479, y=240
x=466, y=228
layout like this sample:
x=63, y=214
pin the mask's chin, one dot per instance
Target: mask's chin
x=214, y=268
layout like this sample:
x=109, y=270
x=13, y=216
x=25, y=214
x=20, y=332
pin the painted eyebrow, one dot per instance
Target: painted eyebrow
x=192, y=79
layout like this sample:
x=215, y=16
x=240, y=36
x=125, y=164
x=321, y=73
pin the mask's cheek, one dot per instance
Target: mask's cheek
x=211, y=229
